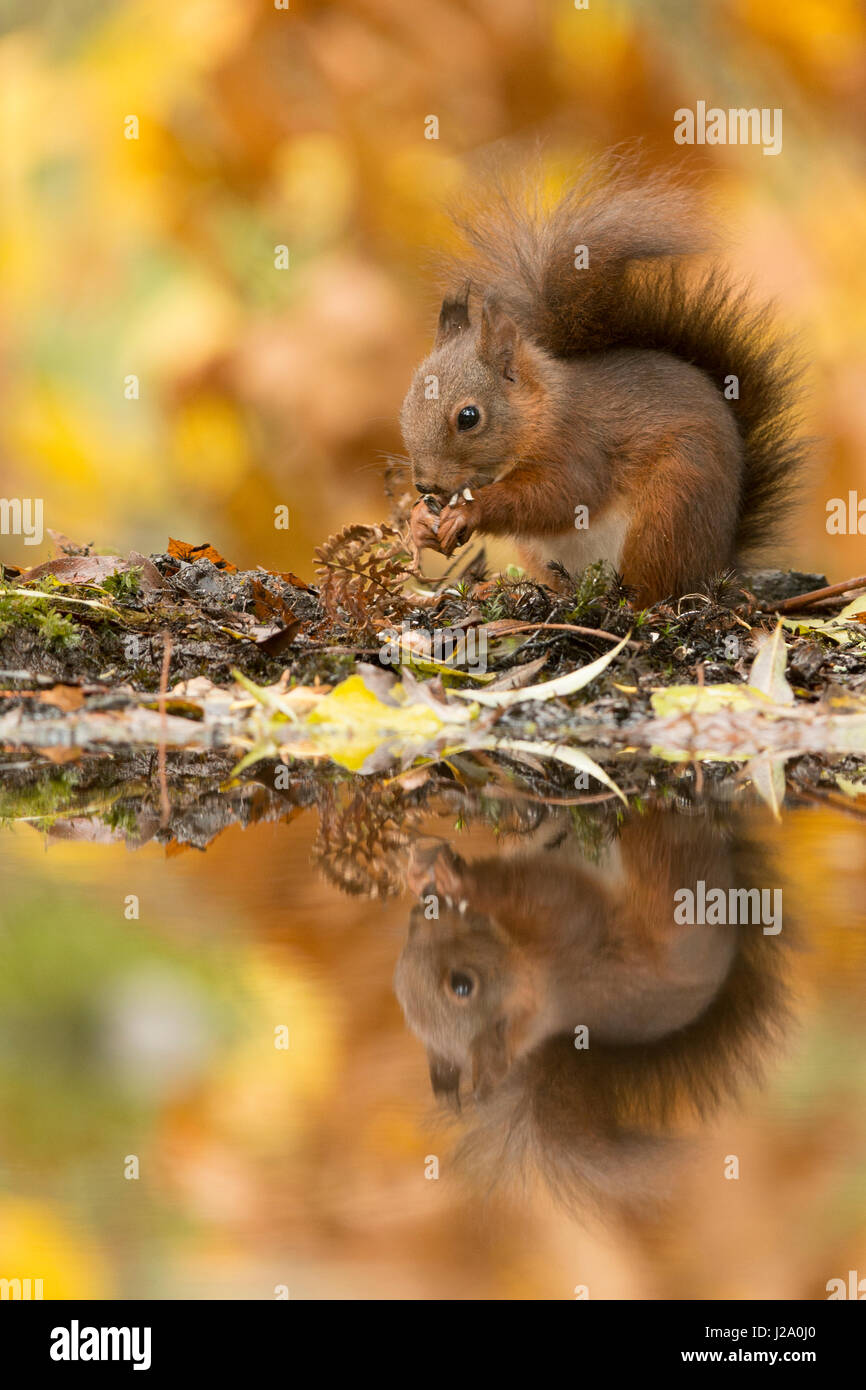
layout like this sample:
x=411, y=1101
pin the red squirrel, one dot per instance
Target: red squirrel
x=530, y=942
x=591, y=399
x=523, y=946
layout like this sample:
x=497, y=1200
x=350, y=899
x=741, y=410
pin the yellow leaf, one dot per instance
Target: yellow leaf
x=352, y=722
x=706, y=699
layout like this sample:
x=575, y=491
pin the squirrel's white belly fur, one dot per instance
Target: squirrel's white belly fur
x=602, y=539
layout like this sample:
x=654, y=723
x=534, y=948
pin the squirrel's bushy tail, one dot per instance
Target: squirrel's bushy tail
x=636, y=291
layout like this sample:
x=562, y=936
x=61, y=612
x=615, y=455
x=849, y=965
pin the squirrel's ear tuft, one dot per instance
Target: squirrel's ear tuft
x=453, y=316
x=497, y=343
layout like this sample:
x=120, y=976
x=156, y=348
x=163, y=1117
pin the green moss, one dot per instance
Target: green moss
x=124, y=817
x=495, y=606
x=592, y=829
x=592, y=587
x=56, y=630
x=44, y=798
x=124, y=585
x=39, y=615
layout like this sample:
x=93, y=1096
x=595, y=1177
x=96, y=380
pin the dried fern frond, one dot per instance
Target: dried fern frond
x=361, y=846
x=362, y=570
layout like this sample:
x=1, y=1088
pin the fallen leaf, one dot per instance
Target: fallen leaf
x=572, y=757
x=768, y=669
x=518, y=675
x=60, y=755
x=768, y=779
x=269, y=605
x=277, y=642
x=151, y=579
x=65, y=697
x=182, y=550
x=289, y=578
x=77, y=569
x=353, y=723
x=64, y=546
x=855, y=611
x=706, y=699
x=548, y=690
x=852, y=789
x=839, y=629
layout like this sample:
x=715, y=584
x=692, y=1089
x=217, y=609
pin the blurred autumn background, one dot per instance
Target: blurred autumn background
x=305, y=128
x=259, y=387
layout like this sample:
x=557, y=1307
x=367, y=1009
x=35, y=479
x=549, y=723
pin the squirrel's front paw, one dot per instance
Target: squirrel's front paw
x=456, y=525
x=434, y=868
x=424, y=526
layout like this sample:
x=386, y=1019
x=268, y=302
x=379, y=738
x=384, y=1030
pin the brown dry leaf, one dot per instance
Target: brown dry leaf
x=60, y=755
x=279, y=641
x=272, y=608
x=84, y=828
x=65, y=697
x=289, y=578
x=415, y=777
x=518, y=675
x=182, y=550
x=64, y=546
x=151, y=579
x=77, y=569
x=196, y=688
x=269, y=605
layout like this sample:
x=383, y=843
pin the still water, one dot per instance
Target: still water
x=433, y=1047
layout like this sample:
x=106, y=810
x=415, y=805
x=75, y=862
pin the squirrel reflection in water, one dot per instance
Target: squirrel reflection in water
x=579, y=1019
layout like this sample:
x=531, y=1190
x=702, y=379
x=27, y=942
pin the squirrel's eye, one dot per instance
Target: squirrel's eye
x=468, y=417
x=460, y=984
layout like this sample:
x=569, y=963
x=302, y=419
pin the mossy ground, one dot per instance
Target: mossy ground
x=110, y=638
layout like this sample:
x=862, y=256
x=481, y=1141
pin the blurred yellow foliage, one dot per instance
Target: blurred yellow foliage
x=156, y=256
x=37, y=1242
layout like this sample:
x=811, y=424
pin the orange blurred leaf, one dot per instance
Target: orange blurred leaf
x=182, y=550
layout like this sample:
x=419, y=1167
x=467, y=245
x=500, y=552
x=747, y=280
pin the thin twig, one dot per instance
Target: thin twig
x=165, y=804
x=834, y=799
x=562, y=800
x=564, y=627
x=792, y=605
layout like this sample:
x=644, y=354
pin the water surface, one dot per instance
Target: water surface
x=338, y=1050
